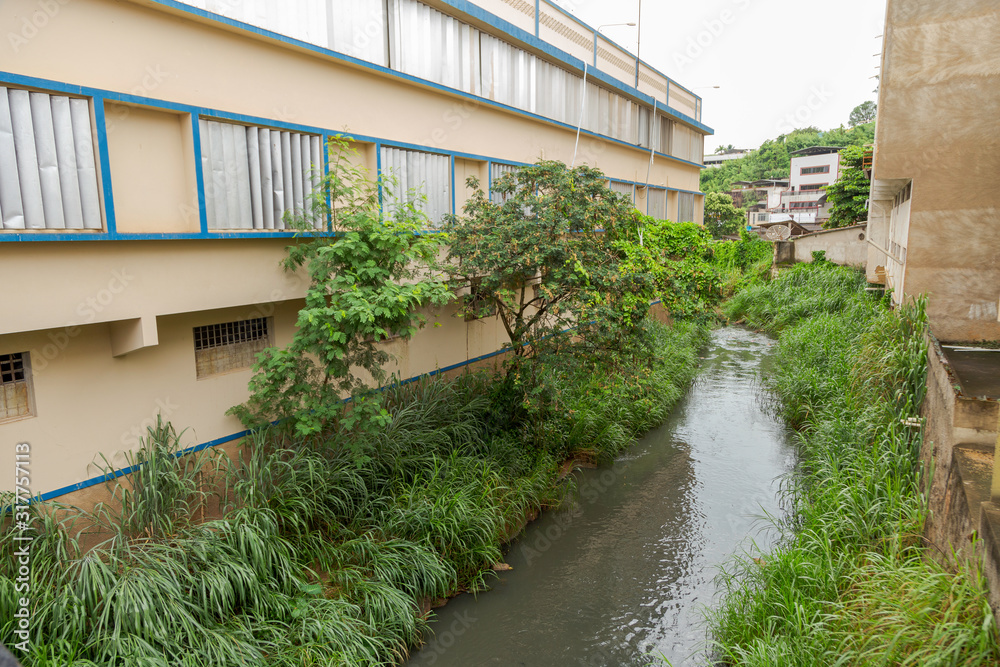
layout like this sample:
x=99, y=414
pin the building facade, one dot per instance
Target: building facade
x=811, y=170
x=934, y=214
x=150, y=149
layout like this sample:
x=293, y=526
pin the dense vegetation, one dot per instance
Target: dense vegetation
x=771, y=159
x=324, y=548
x=850, y=583
x=327, y=540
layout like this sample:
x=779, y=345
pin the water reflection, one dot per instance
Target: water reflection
x=626, y=571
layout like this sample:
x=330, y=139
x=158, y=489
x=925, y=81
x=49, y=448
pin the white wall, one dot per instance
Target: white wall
x=798, y=163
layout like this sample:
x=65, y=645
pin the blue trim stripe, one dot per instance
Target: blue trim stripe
x=100, y=479
x=56, y=86
x=101, y=123
x=241, y=434
x=199, y=174
x=111, y=234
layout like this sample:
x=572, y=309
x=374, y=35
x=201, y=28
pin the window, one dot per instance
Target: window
x=811, y=186
x=685, y=207
x=656, y=203
x=803, y=204
x=255, y=175
x=625, y=189
x=479, y=304
x=48, y=172
x=498, y=169
x=423, y=179
x=903, y=195
x=825, y=169
x=16, y=400
x=232, y=346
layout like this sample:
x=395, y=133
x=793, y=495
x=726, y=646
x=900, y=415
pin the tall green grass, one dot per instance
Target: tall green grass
x=849, y=583
x=326, y=550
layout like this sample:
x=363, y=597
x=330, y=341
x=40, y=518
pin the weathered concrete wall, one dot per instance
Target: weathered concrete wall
x=846, y=246
x=957, y=455
x=939, y=125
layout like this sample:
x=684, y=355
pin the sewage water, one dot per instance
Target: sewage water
x=625, y=573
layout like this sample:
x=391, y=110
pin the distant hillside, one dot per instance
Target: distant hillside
x=771, y=159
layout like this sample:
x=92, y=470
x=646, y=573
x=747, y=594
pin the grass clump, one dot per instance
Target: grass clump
x=849, y=583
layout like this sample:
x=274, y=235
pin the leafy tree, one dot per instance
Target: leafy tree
x=542, y=260
x=673, y=264
x=863, y=113
x=722, y=218
x=365, y=285
x=848, y=194
x=725, y=149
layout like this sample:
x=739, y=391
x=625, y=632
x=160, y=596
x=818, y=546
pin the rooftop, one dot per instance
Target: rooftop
x=817, y=150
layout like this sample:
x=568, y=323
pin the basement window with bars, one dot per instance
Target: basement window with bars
x=255, y=175
x=231, y=346
x=16, y=400
x=48, y=169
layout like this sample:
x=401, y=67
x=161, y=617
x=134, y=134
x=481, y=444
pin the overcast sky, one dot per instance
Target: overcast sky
x=780, y=64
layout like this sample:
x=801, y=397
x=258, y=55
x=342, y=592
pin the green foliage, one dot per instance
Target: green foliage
x=863, y=113
x=543, y=259
x=772, y=159
x=671, y=263
x=365, y=285
x=595, y=407
x=744, y=263
x=722, y=218
x=849, y=193
x=850, y=582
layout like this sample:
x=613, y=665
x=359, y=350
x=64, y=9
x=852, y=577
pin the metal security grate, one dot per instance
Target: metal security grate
x=15, y=386
x=220, y=348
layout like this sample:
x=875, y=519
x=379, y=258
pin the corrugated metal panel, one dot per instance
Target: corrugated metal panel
x=497, y=170
x=418, y=177
x=685, y=207
x=417, y=39
x=626, y=189
x=434, y=46
x=48, y=170
x=508, y=74
x=254, y=175
x=656, y=203
x=354, y=27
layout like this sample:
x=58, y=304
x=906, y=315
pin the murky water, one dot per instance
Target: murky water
x=625, y=574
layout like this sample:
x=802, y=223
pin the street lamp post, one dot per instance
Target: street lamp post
x=607, y=25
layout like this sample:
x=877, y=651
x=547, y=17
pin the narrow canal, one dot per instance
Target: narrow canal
x=625, y=572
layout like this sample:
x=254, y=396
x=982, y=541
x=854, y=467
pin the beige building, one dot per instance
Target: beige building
x=149, y=150
x=934, y=212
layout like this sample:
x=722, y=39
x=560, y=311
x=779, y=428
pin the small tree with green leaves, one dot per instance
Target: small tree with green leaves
x=722, y=218
x=366, y=284
x=847, y=196
x=542, y=260
x=863, y=113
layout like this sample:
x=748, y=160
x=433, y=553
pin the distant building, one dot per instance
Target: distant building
x=767, y=191
x=717, y=159
x=811, y=169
